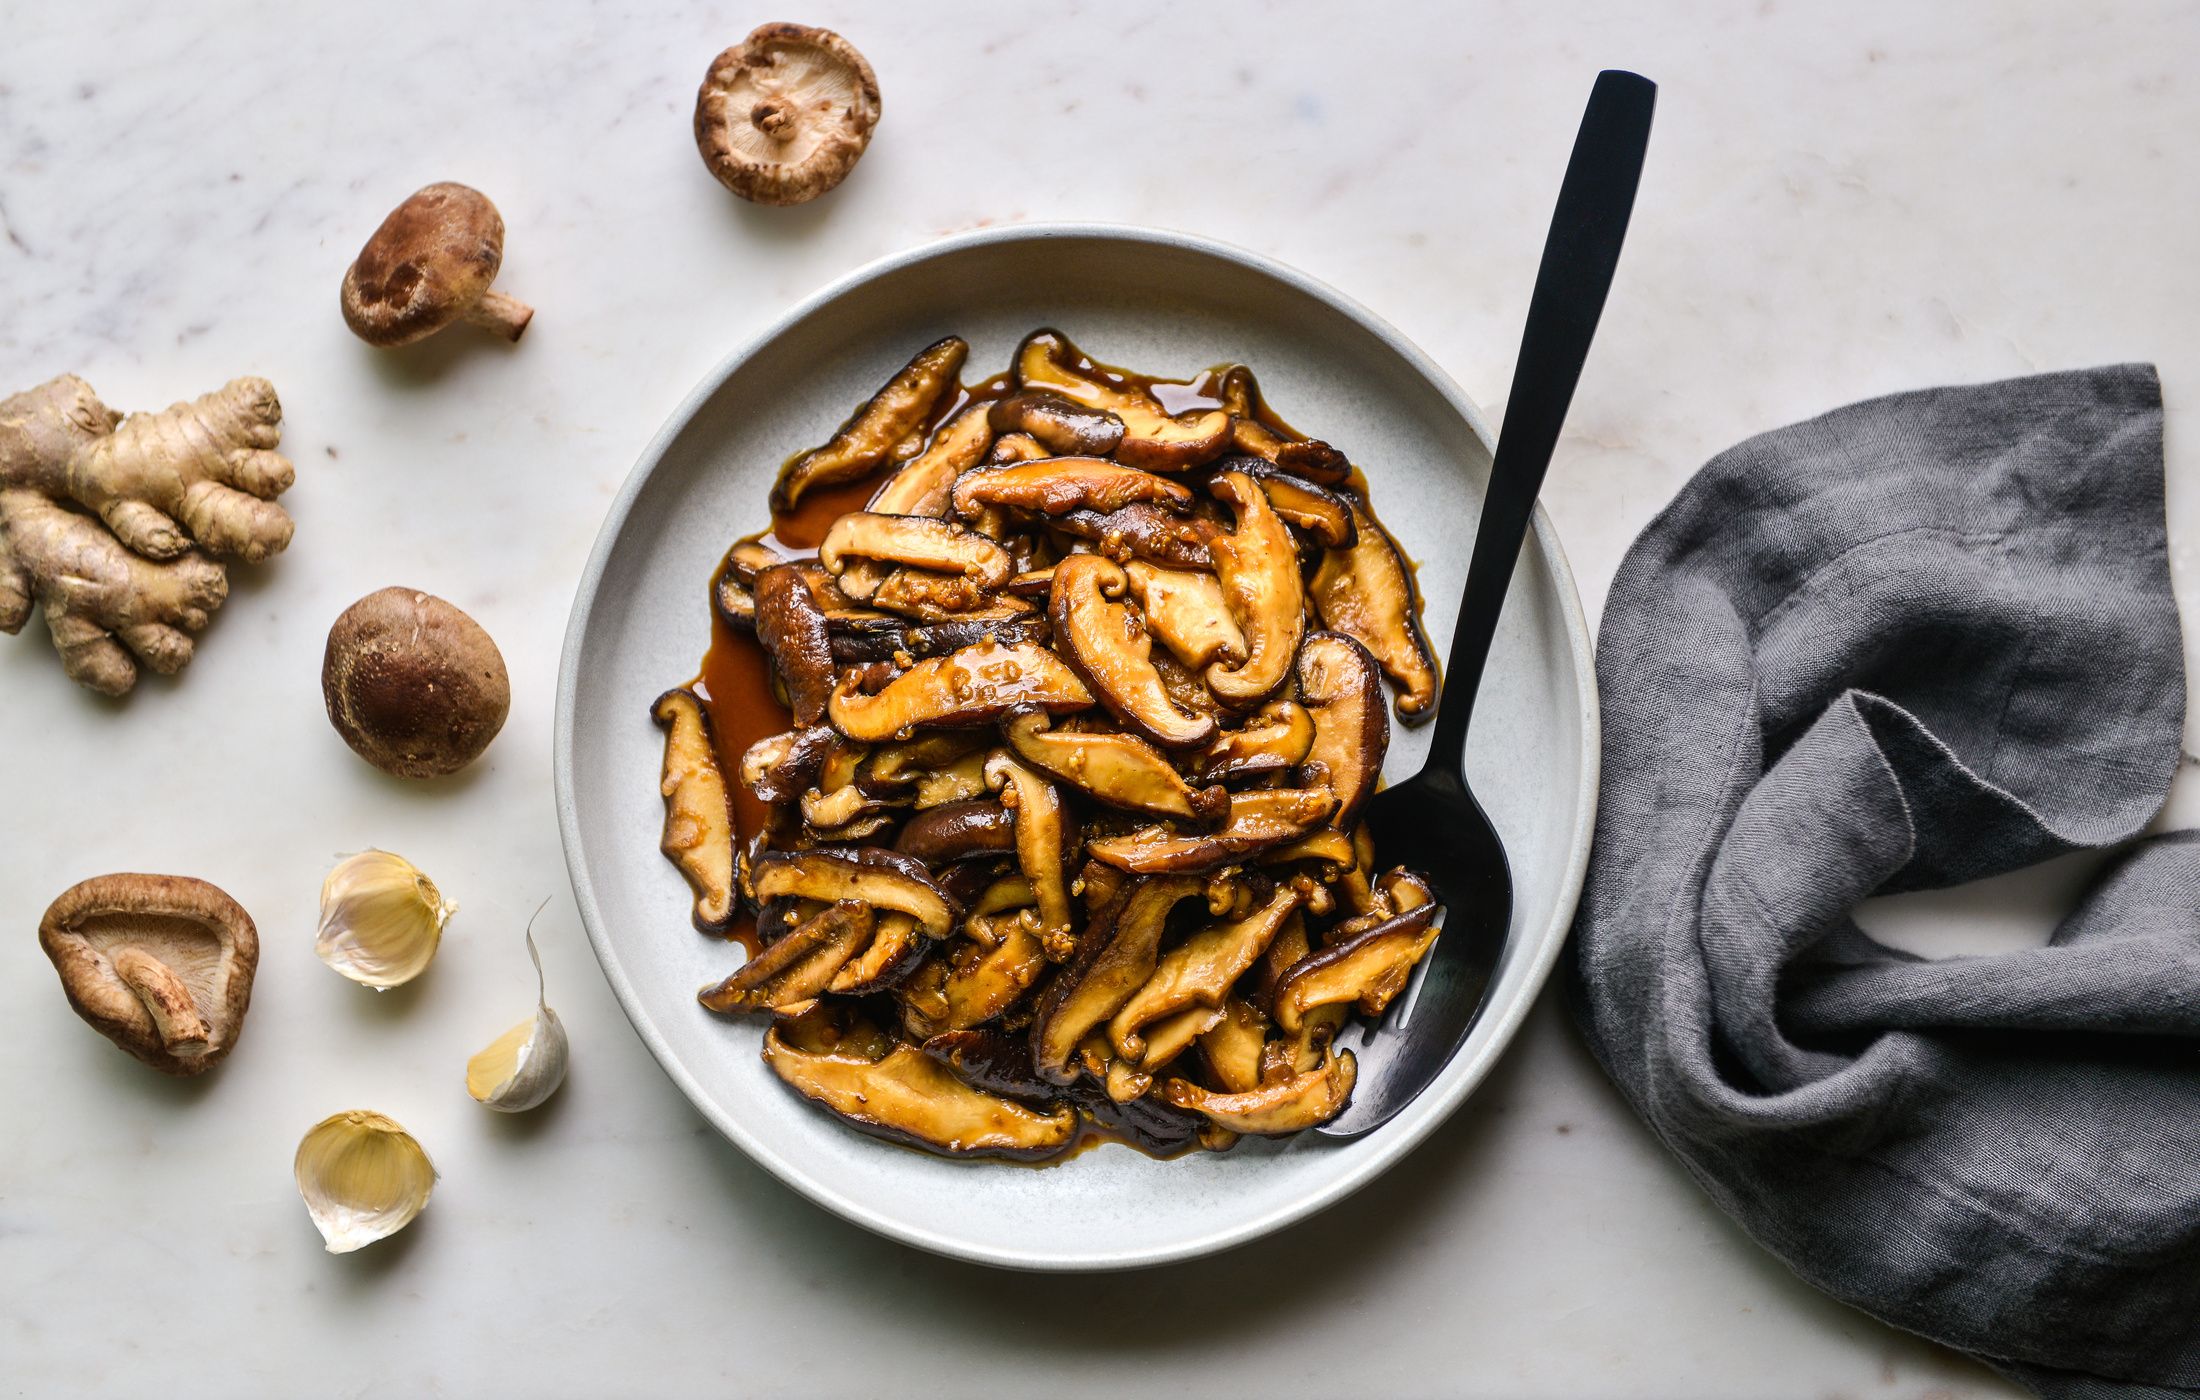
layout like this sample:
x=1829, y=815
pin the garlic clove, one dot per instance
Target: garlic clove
x=381, y=919
x=526, y=1064
x=363, y=1178
x=521, y=1067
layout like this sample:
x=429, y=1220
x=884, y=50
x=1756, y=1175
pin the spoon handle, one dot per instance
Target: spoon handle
x=1579, y=255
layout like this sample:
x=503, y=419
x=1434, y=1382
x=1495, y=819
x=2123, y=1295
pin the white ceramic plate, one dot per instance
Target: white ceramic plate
x=1163, y=303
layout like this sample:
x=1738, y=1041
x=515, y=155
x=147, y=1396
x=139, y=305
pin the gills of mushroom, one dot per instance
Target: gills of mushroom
x=785, y=114
x=161, y=965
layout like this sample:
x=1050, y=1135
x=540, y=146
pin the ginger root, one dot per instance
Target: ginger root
x=110, y=524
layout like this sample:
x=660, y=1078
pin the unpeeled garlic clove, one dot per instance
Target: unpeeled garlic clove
x=381, y=919
x=363, y=1178
x=526, y=1064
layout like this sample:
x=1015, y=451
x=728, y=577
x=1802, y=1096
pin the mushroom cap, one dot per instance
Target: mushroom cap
x=203, y=939
x=433, y=257
x=414, y=685
x=785, y=114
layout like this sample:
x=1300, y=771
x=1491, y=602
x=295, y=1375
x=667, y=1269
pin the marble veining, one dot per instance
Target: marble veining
x=1840, y=201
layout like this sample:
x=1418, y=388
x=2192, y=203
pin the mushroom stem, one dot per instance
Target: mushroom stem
x=183, y=1031
x=771, y=118
x=507, y=316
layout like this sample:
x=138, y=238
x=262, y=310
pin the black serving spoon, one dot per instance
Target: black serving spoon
x=1431, y=822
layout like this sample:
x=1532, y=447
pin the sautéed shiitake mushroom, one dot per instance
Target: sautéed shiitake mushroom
x=1044, y=712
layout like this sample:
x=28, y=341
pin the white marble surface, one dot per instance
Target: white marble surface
x=1842, y=200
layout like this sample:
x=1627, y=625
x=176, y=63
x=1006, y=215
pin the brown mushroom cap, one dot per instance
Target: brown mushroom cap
x=430, y=263
x=160, y=964
x=785, y=114
x=415, y=686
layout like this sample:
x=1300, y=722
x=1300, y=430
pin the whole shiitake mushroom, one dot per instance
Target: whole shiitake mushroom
x=414, y=685
x=785, y=114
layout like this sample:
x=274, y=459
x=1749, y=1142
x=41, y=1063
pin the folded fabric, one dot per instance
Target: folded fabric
x=1918, y=641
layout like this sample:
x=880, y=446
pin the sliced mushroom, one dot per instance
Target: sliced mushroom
x=1015, y=447
x=1328, y=846
x=1353, y=885
x=937, y=598
x=1151, y=438
x=859, y=578
x=1290, y=945
x=1060, y=485
x=999, y=896
x=992, y=1060
x=1367, y=970
x=699, y=834
x=780, y=767
x=1285, y=1105
x=1121, y=770
x=896, y=949
x=1164, y=1041
x=1402, y=891
x=792, y=628
x=1258, y=565
x=1186, y=610
x=977, y=980
x=827, y=810
x=797, y=967
x=1058, y=424
x=869, y=875
x=1232, y=1047
x=1042, y=846
x=734, y=600
x=1117, y=958
x=1310, y=459
x=1254, y=434
x=917, y=540
x=1276, y=736
x=1107, y=643
x=1257, y=820
x=1141, y=531
x=1198, y=972
x=1159, y=1129
x=975, y=685
x=1341, y=689
x=922, y=484
x=749, y=558
x=1314, y=460
x=1305, y=1050
x=958, y=831
x=893, y=770
x=1186, y=690
x=161, y=965
x=917, y=640
x=954, y=782
x=855, y=833
x=1325, y=514
x=901, y=1093
x=1367, y=593
x=865, y=442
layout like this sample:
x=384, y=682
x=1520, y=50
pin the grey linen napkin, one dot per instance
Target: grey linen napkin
x=1918, y=641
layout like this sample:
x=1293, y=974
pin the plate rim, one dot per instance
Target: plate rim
x=1377, y=1155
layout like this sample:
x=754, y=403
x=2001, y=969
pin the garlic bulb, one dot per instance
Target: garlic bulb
x=381, y=919
x=526, y=1064
x=363, y=1178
